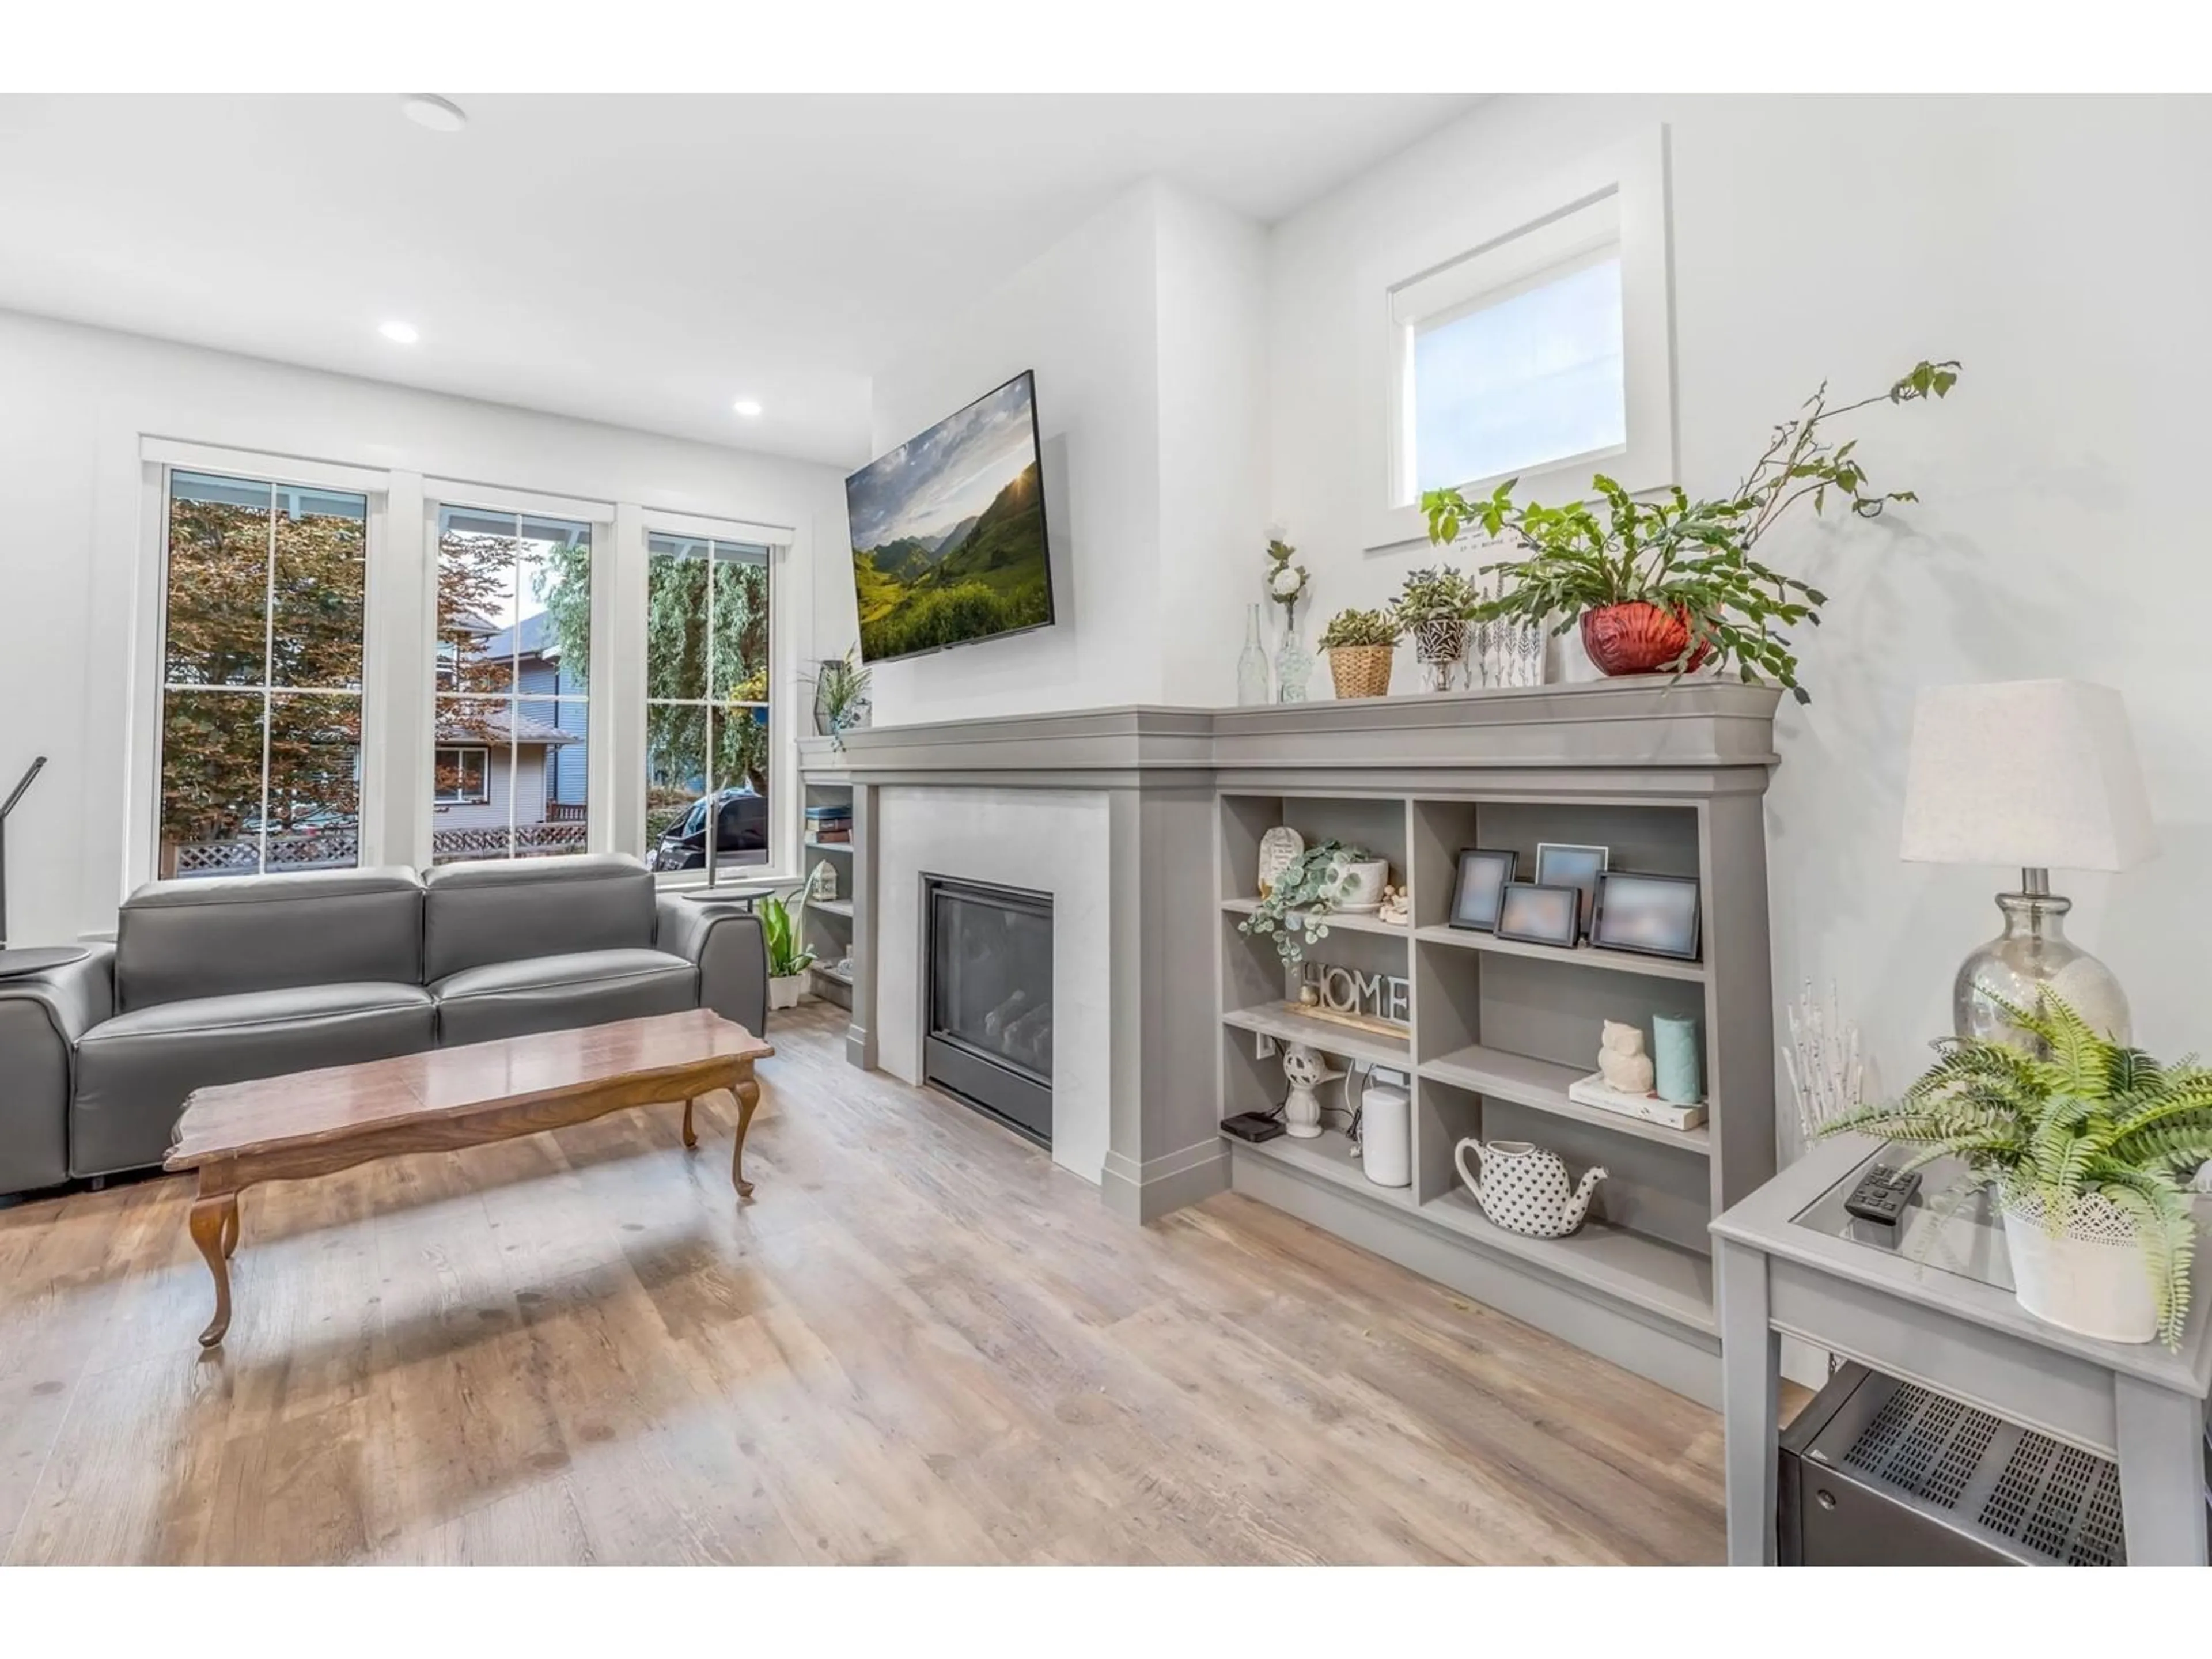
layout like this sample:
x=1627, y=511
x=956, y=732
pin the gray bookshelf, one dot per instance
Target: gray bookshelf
x=829, y=923
x=1500, y=1028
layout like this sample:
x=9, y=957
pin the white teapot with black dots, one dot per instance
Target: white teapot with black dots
x=1525, y=1190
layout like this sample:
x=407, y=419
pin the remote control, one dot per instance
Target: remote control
x=1882, y=1195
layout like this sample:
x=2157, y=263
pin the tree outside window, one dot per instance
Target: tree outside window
x=261, y=677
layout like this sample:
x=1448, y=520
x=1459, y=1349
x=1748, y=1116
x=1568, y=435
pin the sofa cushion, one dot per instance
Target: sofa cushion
x=212, y=937
x=553, y=994
x=133, y=1072
x=477, y=914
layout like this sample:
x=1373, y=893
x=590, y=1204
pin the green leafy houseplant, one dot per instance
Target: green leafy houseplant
x=1691, y=562
x=786, y=958
x=1355, y=628
x=1294, y=910
x=2085, y=1121
x=1439, y=594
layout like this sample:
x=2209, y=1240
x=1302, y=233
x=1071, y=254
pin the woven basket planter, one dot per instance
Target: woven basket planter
x=1361, y=671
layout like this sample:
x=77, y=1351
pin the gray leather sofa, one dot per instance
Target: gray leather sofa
x=217, y=980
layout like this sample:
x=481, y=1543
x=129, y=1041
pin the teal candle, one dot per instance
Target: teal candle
x=1678, y=1059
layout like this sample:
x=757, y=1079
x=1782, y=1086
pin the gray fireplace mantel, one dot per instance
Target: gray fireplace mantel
x=1701, y=724
x=1164, y=771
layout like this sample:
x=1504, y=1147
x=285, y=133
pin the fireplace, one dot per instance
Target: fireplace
x=989, y=1037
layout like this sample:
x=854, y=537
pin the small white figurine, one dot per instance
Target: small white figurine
x=823, y=884
x=1397, y=905
x=1306, y=1072
x=1621, y=1059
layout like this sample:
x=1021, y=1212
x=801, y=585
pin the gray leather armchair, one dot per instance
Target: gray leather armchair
x=218, y=980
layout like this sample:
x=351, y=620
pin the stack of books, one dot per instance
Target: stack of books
x=830, y=824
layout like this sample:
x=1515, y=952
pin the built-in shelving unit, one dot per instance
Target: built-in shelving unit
x=1497, y=1031
x=828, y=921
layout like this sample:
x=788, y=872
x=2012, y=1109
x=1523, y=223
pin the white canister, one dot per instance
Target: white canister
x=1386, y=1135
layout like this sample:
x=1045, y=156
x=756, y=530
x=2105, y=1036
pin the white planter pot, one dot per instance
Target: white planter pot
x=1363, y=885
x=783, y=992
x=2090, y=1277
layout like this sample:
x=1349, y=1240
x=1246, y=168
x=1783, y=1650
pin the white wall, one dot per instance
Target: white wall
x=73, y=403
x=2056, y=247
x=1144, y=327
x=1212, y=268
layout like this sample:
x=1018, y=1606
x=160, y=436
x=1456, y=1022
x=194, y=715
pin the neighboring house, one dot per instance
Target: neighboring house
x=543, y=769
x=486, y=756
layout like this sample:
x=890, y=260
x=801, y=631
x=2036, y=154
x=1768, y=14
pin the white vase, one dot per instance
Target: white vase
x=783, y=990
x=1362, y=883
x=2090, y=1277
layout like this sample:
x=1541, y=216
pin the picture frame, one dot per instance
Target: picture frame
x=1567, y=864
x=1650, y=915
x=1483, y=874
x=1535, y=914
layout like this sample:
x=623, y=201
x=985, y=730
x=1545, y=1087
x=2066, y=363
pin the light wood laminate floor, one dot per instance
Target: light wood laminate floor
x=920, y=1342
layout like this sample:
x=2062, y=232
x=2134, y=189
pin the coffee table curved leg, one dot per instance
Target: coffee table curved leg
x=230, y=1229
x=690, y=1135
x=748, y=1094
x=213, y=1219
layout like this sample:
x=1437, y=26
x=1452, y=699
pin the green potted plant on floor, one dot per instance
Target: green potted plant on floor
x=2088, y=1145
x=1362, y=645
x=787, y=961
x=1435, y=605
x=1665, y=586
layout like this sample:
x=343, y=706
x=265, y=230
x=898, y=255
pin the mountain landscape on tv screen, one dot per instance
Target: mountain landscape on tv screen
x=948, y=532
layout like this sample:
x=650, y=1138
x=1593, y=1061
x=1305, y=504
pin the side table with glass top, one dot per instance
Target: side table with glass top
x=1935, y=1306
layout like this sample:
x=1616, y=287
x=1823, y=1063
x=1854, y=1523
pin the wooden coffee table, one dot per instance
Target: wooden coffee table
x=315, y=1123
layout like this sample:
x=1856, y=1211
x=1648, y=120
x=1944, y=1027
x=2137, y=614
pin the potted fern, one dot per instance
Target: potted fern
x=1361, y=645
x=787, y=961
x=2089, y=1145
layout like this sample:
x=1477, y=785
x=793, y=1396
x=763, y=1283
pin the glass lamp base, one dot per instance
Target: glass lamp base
x=2031, y=956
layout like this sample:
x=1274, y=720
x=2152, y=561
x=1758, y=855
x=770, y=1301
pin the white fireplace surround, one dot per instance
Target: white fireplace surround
x=1052, y=841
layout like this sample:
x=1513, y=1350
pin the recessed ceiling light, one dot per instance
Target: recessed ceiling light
x=400, y=333
x=747, y=407
x=427, y=109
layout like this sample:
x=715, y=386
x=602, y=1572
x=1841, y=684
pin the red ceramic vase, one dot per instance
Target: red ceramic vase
x=1637, y=638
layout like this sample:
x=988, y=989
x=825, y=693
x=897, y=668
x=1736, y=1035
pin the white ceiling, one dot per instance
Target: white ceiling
x=643, y=260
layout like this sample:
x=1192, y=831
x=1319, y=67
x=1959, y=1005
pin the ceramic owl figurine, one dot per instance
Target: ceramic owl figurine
x=1621, y=1059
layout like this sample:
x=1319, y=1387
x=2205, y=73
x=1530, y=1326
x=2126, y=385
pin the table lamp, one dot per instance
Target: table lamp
x=2041, y=773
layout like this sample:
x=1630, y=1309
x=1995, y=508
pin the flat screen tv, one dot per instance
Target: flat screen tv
x=948, y=532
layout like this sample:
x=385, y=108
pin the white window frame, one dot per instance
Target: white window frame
x=784, y=790
x=482, y=795
x=1514, y=236
x=158, y=457
x=441, y=493
x=399, y=676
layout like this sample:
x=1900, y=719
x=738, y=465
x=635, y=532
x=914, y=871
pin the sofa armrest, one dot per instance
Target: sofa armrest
x=731, y=953
x=42, y=1017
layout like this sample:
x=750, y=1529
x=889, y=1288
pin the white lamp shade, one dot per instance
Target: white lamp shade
x=2031, y=773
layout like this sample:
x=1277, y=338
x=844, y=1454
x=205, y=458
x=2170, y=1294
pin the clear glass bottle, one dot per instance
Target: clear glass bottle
x=1252, y=665
x=1294, y=664
x=2033, y=954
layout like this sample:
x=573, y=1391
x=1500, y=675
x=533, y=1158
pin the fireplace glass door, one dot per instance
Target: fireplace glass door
x=990, y=1000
